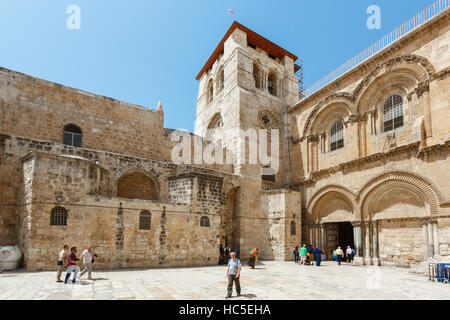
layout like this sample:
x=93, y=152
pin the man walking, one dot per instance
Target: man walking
x=350, y=254
x=295, y=253
x=72, y=262
x=317, y=255
x=233, y=273
x=221, y=255
x=87, y=257
x=252, y=260
x=339, y=255
x=62, y=262
x=227, y=254
x=303, y=252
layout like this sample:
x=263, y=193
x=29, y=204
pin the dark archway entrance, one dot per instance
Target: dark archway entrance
x=345, y=235
x=339, y=234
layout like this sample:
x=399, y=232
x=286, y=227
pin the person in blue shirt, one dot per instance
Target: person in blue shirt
x=233, y=273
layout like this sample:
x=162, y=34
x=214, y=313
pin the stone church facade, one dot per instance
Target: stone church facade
x=363, y=162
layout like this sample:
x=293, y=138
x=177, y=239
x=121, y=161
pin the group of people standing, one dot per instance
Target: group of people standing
x=225, y=254
x=306, y=255
x=69, y=263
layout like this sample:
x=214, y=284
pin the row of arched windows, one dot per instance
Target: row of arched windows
x=260, y=83
x=219, y=88
x=58, y=217
x=392, y=119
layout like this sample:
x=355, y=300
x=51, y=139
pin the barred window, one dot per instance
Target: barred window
x=72, y=135
x=393, y=113
x=293, y=228
x=145, y=220
x=204, y=221
x=337, y=136
x=58, y=216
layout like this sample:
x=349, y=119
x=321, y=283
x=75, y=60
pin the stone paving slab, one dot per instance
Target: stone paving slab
x=270, y=280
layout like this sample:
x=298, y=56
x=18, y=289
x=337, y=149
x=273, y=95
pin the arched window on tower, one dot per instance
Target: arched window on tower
x=58, y=216
x=393, y=113
x=72, y=135
x=257, y=75
x=337, y=136
x=272, y=83
x=145, y=220
x=210, y=90
x=221, y=79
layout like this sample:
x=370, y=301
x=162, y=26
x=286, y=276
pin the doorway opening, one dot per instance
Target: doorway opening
x=345, y=235
x=339, y=234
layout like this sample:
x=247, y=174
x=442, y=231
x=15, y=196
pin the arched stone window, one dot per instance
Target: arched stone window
x=210, y=90
x=58, y=216
x=72, y=135
x=221, y=84
x=293, y=228
x=272, y=83
x=145, y=220
x=204, y=221
x=337, y=136
x=137, y=185
x=257, y=75
x=393, y=113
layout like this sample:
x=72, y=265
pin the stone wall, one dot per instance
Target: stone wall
x=111, y=225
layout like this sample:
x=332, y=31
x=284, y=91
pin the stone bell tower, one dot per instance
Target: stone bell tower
x=248, y=84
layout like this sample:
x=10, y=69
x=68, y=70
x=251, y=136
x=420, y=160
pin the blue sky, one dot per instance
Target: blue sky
x=143, y=51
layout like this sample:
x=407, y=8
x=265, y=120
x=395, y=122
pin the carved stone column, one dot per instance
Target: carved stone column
x=436, y=238
x=426, y=249
x=357, y=236
x=430, y=238
x=423, y=94
x=312, y=148
x=322, y=237
x=376, y=258
x=367, y=259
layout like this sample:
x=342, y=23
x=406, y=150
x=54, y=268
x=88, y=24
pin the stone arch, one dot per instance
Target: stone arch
x=229, y=229
x=418, y=185
x=407, y=71
x=215, y=128
x=329, y=114
x=137, y=184
x=341, y=98
x=337, y=198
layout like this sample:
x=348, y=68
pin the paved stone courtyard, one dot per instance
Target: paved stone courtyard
x=270, y=280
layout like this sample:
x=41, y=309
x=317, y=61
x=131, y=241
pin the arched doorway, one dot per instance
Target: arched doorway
x=230, y=226
x=329, y=222
x=394, y=213
x=137, y=185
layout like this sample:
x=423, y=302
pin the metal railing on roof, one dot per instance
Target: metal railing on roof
x=404, y=29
